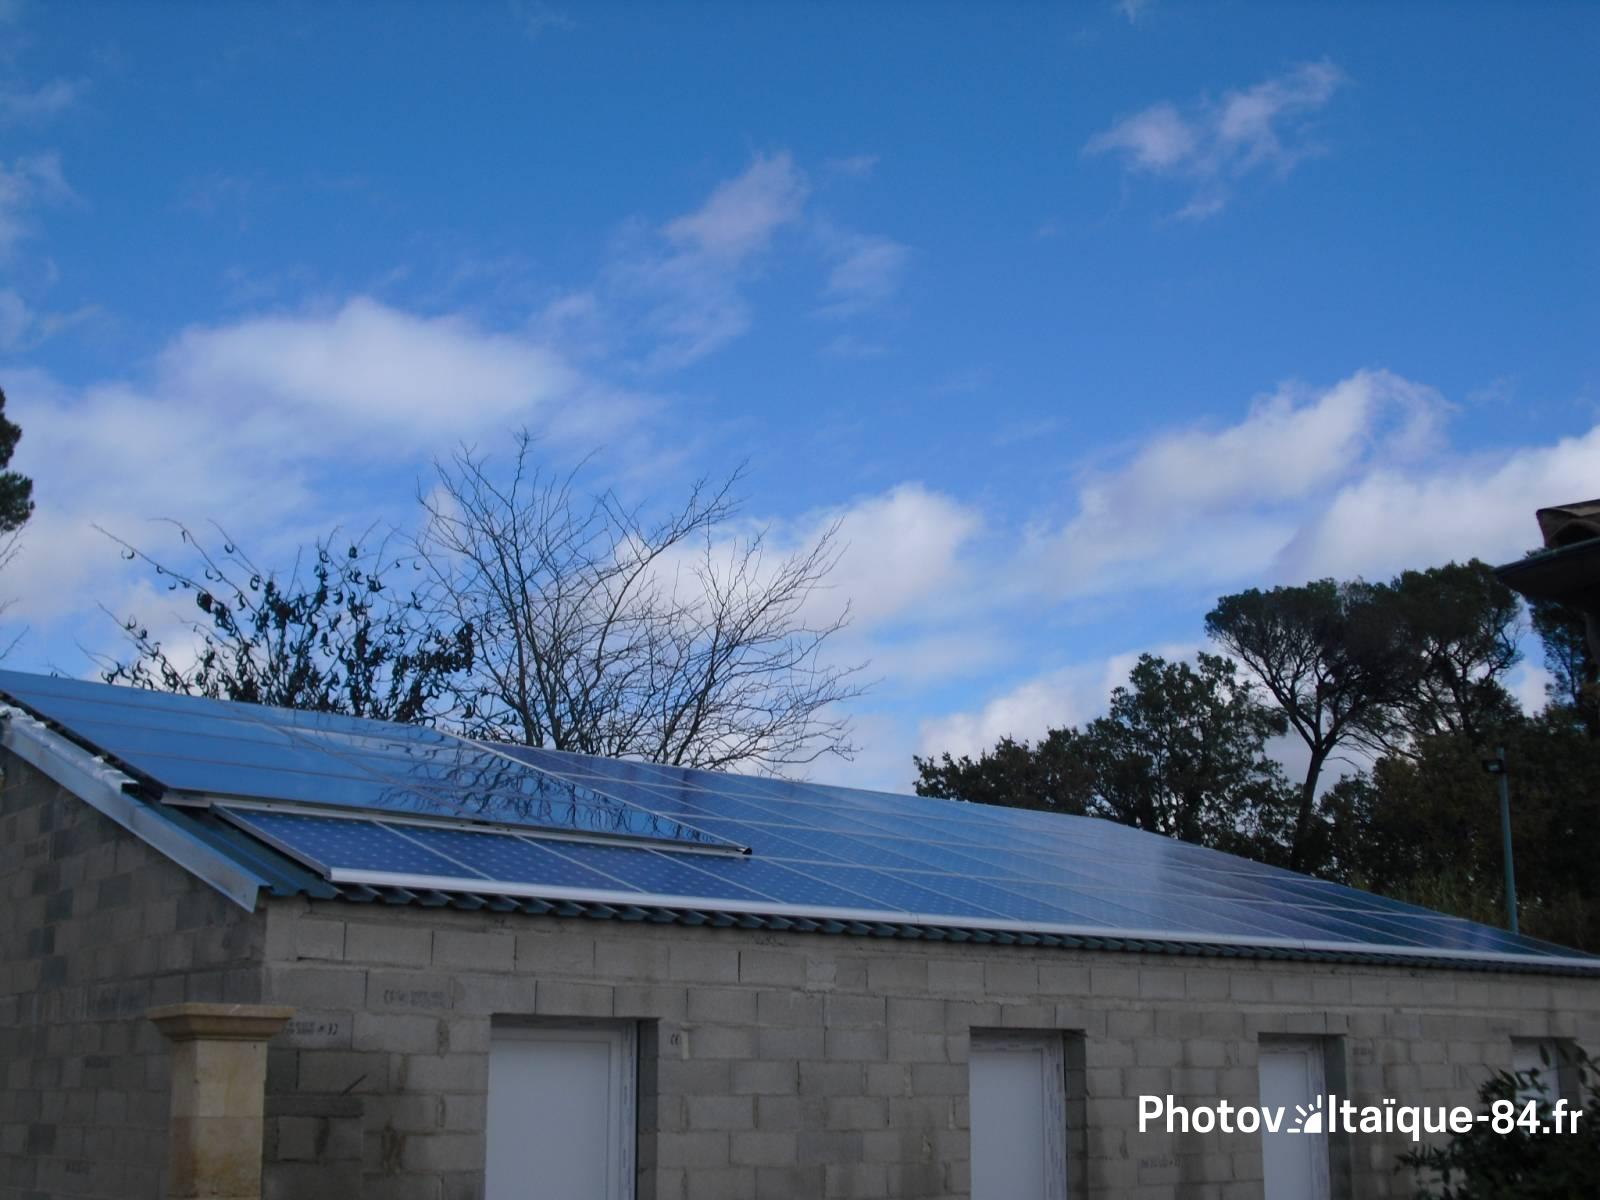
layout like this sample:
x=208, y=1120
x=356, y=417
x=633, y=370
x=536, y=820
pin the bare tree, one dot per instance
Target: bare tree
x=10, y=547
x=604, y=632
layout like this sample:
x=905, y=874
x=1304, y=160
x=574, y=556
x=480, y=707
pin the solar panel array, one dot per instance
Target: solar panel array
x=215, y=748
x=525, y=821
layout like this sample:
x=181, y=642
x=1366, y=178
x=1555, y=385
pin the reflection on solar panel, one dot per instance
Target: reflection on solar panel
x=817, y=851
x=213, y=748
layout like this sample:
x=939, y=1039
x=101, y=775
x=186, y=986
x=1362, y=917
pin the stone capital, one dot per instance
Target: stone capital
x=220, y=1022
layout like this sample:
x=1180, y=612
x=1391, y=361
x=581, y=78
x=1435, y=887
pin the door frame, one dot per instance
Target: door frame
x=1053, y=1088
x=622, y=1037
x=1315, y=1051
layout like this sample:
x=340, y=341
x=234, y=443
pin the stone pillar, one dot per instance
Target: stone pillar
x=219, y=1080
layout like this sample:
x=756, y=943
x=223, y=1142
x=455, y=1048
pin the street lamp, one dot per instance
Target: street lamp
x=1497, y=766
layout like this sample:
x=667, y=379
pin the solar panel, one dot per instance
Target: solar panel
x=213, y=748
x=367, y=802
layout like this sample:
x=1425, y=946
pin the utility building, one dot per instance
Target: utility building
x=328, y=957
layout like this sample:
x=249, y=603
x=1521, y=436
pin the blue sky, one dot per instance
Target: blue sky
x=1075, y=315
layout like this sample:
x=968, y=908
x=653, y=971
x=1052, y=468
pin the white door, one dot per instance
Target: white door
x=1018, y=1118
x=1295, y=1158
x=561, y=1114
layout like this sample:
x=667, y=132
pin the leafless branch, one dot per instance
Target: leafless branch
x=606, y=631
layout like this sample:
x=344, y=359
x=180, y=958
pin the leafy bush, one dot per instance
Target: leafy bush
x=1520, y=1165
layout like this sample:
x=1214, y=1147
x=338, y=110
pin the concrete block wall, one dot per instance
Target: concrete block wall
x=801, y=1065
x=96, y=929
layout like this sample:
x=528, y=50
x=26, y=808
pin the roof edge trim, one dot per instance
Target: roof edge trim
x=447, y=884
x=104, y=788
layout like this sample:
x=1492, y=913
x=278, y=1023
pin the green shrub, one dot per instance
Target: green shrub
x=1520, y=1165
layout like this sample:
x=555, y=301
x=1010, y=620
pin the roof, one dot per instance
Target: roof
x=256, y=799
x=1568, y=574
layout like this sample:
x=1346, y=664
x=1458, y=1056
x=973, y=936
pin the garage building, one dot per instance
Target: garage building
x=364, y=960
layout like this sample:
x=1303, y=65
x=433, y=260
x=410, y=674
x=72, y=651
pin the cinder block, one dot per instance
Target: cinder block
x=765, y=1077
x=905, y=974
x=917, y=1015
x=1162, y=983
x=789, y=1007
x=859, y=1012
x=560, y=999
x=789, y=1182
x=396, y=1033
x=692, y=1150
x=703, y=964
x=721, y=1112
x=319, y=939
x=783, y=1113
x=729, y=1006
x=909, y=1046
x=693, y=1077
x=631, y=958
x=856, y=1044
x=776, y=968
x=409, y=991
x=1007, y=975
x=651, y=1001
x=938, y=1079
x=487, y=994
x=318, y=987
x=1109, y=981
x=439, y=1152
x=557, y=949
x=1064, y=979
x=763, y=1148
x=821, y=1079
x=388, y=943
x=439, y=1073
x=343, y=1072
x=955, y=977
x=792, y=1042
x=455, y=950
x=722, y=1041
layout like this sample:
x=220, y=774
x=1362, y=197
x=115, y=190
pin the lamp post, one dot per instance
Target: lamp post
x=1497, y=766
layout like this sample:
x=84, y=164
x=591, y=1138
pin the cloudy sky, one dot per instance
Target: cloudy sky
x=1076, y=315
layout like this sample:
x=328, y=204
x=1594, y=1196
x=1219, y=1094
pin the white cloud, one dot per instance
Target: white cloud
x=22, y=327
x=25, y=184
x=867, y=269
x=1213, y=144
x=855, y=166
x=1455, y=508
x=1530, y=684
x=1358, y=479
x=684, y=280
x=849, y=346
x=1055, y=699
x=1156, y=139
x=741, y=216
x=20, y=105
x=372, y=375
x=262, y=425
x=899, y=549
x=539, y=19
x=1199, y=506
x=1133, y=10
x=896, y=552
x=15, y=319
x=675, y=292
